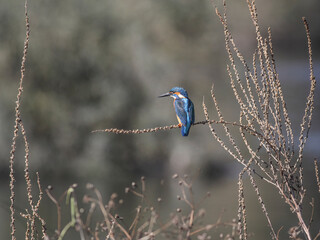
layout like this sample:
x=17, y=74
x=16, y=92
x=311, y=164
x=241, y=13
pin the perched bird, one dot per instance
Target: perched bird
x=183, y=107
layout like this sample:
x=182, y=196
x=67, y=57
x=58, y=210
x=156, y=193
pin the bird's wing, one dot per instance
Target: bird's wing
x=191, y=111
x=181, y=110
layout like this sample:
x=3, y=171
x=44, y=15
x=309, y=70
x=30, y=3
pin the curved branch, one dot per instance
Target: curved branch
x=164, y=128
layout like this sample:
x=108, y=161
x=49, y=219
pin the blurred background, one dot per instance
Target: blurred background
x=101, y=64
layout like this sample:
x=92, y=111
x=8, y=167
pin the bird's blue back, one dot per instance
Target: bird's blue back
x=185, y=111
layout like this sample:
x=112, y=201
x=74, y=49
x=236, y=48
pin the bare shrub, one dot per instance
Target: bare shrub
x=184, y=222
x=264, y=115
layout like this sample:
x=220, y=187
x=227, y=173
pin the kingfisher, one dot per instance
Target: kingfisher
x=184, y=108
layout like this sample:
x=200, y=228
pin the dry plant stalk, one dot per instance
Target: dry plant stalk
x=264, y=115
x=316, y=169
x=30, y=217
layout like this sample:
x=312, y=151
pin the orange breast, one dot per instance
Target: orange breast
x=180, y=124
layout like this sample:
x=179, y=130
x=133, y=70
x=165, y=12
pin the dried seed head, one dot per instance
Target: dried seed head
x=143, y=178
x=89, y=186
x=175, y=176
x=113, y=196
x=180, y=183
x=229, y=237
x=178, y=197
x=159, y=199
x=134, y=185
x=179, y=210
x=175, y=220
x=49, y=187
x=139, y=209
x=111, y=204
x=126, y=190
x=121, y=201
x=201, y=212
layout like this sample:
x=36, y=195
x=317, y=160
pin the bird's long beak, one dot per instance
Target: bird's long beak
x=165, y=95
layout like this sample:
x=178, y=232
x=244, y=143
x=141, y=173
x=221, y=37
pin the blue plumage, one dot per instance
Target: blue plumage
x=184, y=108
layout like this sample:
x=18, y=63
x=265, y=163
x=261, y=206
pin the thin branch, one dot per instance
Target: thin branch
x=306, y=120
x=57, y=203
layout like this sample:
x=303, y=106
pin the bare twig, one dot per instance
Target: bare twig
x=57, y=203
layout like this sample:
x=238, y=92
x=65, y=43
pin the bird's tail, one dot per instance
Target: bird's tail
x=185, y=130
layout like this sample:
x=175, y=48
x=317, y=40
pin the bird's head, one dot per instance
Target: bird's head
x=176, y=93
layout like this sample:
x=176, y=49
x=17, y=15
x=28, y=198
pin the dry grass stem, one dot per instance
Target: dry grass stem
x=316, y=169
x=18, y=123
